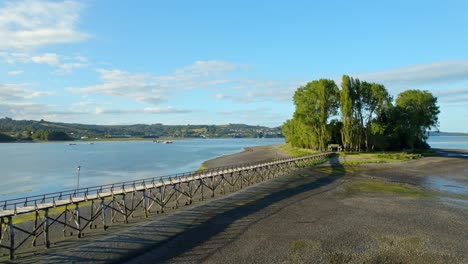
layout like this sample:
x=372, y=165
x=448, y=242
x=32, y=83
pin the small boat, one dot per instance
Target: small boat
x=168, y=142
x=72, y=144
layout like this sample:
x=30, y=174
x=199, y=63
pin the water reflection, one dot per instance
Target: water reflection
x=446, y=185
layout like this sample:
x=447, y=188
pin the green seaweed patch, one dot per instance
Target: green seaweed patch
x=369, y=186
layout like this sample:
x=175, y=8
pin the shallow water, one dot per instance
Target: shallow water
x=34, y=168
x=445, y=184
x=458, y=203
x=451, y=142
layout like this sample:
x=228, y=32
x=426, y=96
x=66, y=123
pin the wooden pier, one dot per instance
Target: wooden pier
x=37, y=221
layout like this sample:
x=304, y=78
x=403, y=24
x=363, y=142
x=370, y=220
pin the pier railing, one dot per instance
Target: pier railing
x=123, y=199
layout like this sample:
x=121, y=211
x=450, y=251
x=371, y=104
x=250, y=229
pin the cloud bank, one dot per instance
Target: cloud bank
x=32, y=23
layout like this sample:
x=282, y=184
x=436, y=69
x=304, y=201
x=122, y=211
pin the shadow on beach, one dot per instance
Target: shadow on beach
x=223, y=228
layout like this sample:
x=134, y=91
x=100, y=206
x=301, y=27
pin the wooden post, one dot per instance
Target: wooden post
x=189, y=187
x=202, y=190
x=103, y=208
x=133, y=201
x=145, y=203
x=1, y=228
x=91, y=215
x=12, y=238
x=212, y=186
x=241, y=178
x=177, y=189
x=125, y=209
x=65, y=220
x=46, y=227
x=35, y=227
x=113, y=211
x=78, y=219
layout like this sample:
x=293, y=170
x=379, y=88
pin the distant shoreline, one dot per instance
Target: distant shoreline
x=124, y=139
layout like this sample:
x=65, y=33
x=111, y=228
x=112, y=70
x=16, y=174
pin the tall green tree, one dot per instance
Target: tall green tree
x=315, y=104
x=347, y=95
x=420, y=112
x=374, y=98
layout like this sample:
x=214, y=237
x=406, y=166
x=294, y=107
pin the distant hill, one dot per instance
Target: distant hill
x=6, y=138
x=23, y=129
x=453, y=134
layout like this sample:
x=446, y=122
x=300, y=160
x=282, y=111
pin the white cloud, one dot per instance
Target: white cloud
x=63, y=64
x=422, y=74
x=15, y=101
x=14, y=57
x=15, y=72
x=256, y=90
x=139, y=87
x=217, y=76
x=35, y=23
x=47, y=58
x=147, y=110
x=154, y=90
x=16, y=93
x=451, y=92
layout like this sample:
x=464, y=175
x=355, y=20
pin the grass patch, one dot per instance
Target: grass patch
x=297, y=152
x=355, y=158
x=369, y=186
x=202, y=168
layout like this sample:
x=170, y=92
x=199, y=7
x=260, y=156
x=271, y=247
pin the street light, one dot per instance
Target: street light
x=78, y=176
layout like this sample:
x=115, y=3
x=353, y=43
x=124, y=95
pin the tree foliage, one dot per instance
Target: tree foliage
x=51, y=135
x=369, y=120
x=6, y=138
x=315, y=104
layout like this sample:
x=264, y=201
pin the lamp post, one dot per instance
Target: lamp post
x=78, y=176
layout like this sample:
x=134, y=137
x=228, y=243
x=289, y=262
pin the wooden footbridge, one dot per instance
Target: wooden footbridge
x=37, y=221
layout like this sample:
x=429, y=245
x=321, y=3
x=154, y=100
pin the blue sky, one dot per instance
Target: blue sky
x=213, y=62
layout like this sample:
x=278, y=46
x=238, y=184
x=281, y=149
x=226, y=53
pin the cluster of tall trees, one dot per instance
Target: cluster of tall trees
x=367, y=117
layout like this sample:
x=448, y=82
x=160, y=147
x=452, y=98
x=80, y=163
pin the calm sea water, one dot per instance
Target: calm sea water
x=36, y=168
x=452, y=142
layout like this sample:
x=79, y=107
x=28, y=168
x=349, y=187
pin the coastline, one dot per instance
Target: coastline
x=451, y=152
x=249, y=154
x=269, y=152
